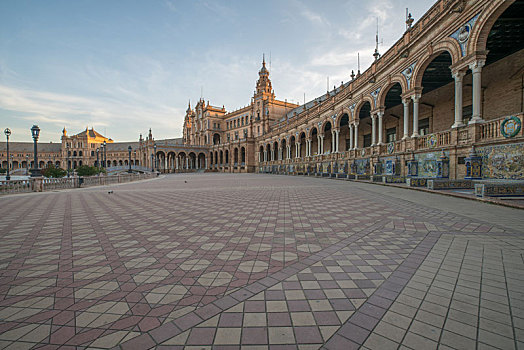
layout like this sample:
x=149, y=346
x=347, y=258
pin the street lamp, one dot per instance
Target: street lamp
x=105, y=159
x=35, y=132
x=152, y=164
x=97, y=161
x=129, y=149
x=156, y=165
x=68, y=160
x=7, y=133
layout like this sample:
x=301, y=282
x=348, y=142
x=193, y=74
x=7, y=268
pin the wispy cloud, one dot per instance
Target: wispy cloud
x=76, y=112
x=170, y=5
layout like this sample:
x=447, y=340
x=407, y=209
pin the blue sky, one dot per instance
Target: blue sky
x=126, y=66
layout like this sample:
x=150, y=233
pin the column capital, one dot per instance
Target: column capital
x=406, y=101
x=458, y=74
x=476, y=66
x=415, y=97
x=356, y=122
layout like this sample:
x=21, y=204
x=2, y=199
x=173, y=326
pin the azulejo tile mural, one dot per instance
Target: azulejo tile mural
x=502, y=161
x=427, y=163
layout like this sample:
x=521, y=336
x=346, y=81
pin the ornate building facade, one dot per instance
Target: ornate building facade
x=231, y=136
x=87, y=148
x=453, y=81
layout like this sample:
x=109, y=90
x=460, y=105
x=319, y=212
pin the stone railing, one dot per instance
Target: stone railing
x=40, y=184
x=438, y=139
x=15, y=186
x=49, y=184
x=490, y=130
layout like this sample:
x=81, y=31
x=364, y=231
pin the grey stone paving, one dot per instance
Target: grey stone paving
x=252, y=261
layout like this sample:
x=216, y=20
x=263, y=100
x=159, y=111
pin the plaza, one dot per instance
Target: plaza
x=258, y=261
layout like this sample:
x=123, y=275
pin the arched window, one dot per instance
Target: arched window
x=80, y=153
x=74, y=153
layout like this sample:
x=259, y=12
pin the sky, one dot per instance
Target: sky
x=124, y=66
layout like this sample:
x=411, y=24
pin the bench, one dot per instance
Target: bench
x=447, y=184
x=500, y=189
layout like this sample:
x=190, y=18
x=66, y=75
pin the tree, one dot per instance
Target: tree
x=86, y=170
x=52, y=171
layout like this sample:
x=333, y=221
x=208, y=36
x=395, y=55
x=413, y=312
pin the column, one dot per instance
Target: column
x=206, y=164
x=337, y=134
x=458, y=98
x=380, y=133
x=259, y=157
x=272, y=153
x=309, y=147
x=405, y=102
x=187, y=162
x=476, y=69
x=356, y=135
x=265, y=154
x=373, y=130
x=415, y=99
x=176, y=160
x=298, y=149
x=333, y=137
x=351, y=126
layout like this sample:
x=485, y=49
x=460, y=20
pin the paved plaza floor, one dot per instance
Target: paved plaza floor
x=229, y=261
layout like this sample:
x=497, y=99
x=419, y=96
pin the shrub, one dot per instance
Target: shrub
x=52, y=171
x=86, y=170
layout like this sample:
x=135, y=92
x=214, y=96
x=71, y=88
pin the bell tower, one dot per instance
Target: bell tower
x=264, y=89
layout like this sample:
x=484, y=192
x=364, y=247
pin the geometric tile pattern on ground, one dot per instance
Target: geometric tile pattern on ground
x=256, y=260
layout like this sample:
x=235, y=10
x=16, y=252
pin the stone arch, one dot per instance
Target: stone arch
x=340, y=114
x=478, y=38
x=361, y=103
x=310, y=133
x=448, y=45
x=324, y=123
x=397, y=79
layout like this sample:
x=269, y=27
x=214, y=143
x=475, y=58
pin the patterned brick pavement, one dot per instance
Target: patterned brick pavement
x=259, y=261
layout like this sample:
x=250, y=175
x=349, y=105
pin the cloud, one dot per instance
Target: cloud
x=170, y=5
x=123, y=118
x=312, y=16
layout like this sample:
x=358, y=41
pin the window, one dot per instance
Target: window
x=367, y=140
x=242, y=121
x=236, y=135
x=245, y=133
x=423, y=126
x=391, y=135
x=92, y=153
x=467, y=112
x=228, y=137
x=258, y=130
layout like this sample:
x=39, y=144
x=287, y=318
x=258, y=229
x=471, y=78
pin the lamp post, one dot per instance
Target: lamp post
x=105, y=159
x=35, y=132
x=97, y=161
x=129, y=149
x=152, y=164
x=7, y=133
x=156, y=165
